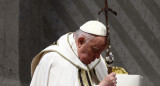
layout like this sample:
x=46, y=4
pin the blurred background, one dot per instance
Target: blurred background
x=28, y=26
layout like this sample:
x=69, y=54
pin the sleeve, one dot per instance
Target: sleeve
x=41, y=74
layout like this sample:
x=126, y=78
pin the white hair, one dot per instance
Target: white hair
x=88, y=36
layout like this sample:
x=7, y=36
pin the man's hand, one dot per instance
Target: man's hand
x=109, y=80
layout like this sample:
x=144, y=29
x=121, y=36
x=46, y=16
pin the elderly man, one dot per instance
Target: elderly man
x=74, y=60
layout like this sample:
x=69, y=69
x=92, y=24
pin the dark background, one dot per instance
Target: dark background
x=28, y=26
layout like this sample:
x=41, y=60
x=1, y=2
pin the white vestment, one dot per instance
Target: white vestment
x=60, y=66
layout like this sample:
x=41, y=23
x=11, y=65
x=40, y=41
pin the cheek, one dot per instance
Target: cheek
x=86, y=56
x=82, y=51
x=86, y=53
x=83, y=55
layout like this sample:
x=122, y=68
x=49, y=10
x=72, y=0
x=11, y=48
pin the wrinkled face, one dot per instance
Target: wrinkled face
x=91, y=50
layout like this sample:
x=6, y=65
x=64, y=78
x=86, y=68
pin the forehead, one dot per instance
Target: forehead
x=99, y=41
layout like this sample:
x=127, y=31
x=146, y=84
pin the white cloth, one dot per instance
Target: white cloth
x=61, y=66
x=129, y=80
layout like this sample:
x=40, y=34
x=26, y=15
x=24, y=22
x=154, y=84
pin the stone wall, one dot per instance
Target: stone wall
x=9, y=48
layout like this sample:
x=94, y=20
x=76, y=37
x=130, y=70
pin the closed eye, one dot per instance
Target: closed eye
x=96, y=49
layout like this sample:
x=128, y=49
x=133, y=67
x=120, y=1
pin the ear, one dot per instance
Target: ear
x=81, y=41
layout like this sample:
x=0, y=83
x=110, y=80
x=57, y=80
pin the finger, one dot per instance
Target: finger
x=113, y=74
x=114, y=81
x=111, y=79
x=114, y=84
x=115, y=78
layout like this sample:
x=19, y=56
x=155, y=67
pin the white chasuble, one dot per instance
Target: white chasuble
x=59, y=65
